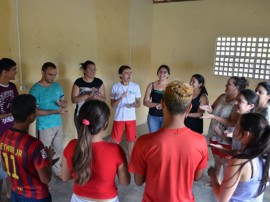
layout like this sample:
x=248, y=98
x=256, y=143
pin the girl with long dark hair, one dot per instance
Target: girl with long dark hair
x=199, y=98
x=92, y=162
x=247, y=173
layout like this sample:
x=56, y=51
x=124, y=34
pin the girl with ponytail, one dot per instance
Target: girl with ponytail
x=247, y=173
x=91, y=162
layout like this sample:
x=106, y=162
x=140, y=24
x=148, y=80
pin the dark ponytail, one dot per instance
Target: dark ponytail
x=240, y=82
x=203, y=90
x=93, y=117
x=201, y=80
x=86, y=63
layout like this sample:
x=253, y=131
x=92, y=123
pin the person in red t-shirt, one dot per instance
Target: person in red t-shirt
x=26, y=160
x=169, y=160
x=92, y=162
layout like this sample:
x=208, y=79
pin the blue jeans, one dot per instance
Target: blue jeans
x=15, y=197
x=154, y=123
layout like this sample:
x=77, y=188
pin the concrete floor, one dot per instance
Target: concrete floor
x=62, y=191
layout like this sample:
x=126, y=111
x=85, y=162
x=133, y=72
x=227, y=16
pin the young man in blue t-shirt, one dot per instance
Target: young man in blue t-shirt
x=51, y=104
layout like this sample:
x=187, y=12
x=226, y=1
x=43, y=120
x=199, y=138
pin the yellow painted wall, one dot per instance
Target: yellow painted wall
x=140, y=40
x=8, y=33
x=68, y=32
x=184, y=35
x=134, y=32
x=4, y=29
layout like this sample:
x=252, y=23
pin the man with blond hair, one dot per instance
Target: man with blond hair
x=170, y=159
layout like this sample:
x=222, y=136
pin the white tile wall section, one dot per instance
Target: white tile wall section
x=243, y=56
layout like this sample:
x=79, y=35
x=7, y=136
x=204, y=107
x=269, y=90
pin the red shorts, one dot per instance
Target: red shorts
x=118, y=129
x=214, y=150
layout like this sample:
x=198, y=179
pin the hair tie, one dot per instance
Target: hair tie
x=86, y=122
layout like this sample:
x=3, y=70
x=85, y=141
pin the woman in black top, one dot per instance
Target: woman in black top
x=193, y=120
x=87, y=88
x=153, y=96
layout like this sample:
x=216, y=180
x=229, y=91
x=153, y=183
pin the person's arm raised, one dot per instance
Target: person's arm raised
x=115, y=102
x=45, y=173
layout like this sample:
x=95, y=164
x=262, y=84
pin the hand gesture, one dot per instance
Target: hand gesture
x=228, y=134
x=63, y=111
x=217, y=131
x=95, y=94
x=62, y=102
x=50, y=152
x=216, y=146
x=123, y=95
x=207, y=116
x=131, y=105
x=206, y=108
x=159, y=106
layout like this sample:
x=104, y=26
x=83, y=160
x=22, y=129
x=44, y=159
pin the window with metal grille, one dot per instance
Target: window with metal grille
x=243, y=56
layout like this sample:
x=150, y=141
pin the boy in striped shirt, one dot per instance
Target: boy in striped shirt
x=26, y=160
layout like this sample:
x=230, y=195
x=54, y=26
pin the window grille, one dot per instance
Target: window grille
x=243, y=56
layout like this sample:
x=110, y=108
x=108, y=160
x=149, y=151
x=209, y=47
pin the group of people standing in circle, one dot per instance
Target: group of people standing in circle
x=239, y=137
x=224, y=113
